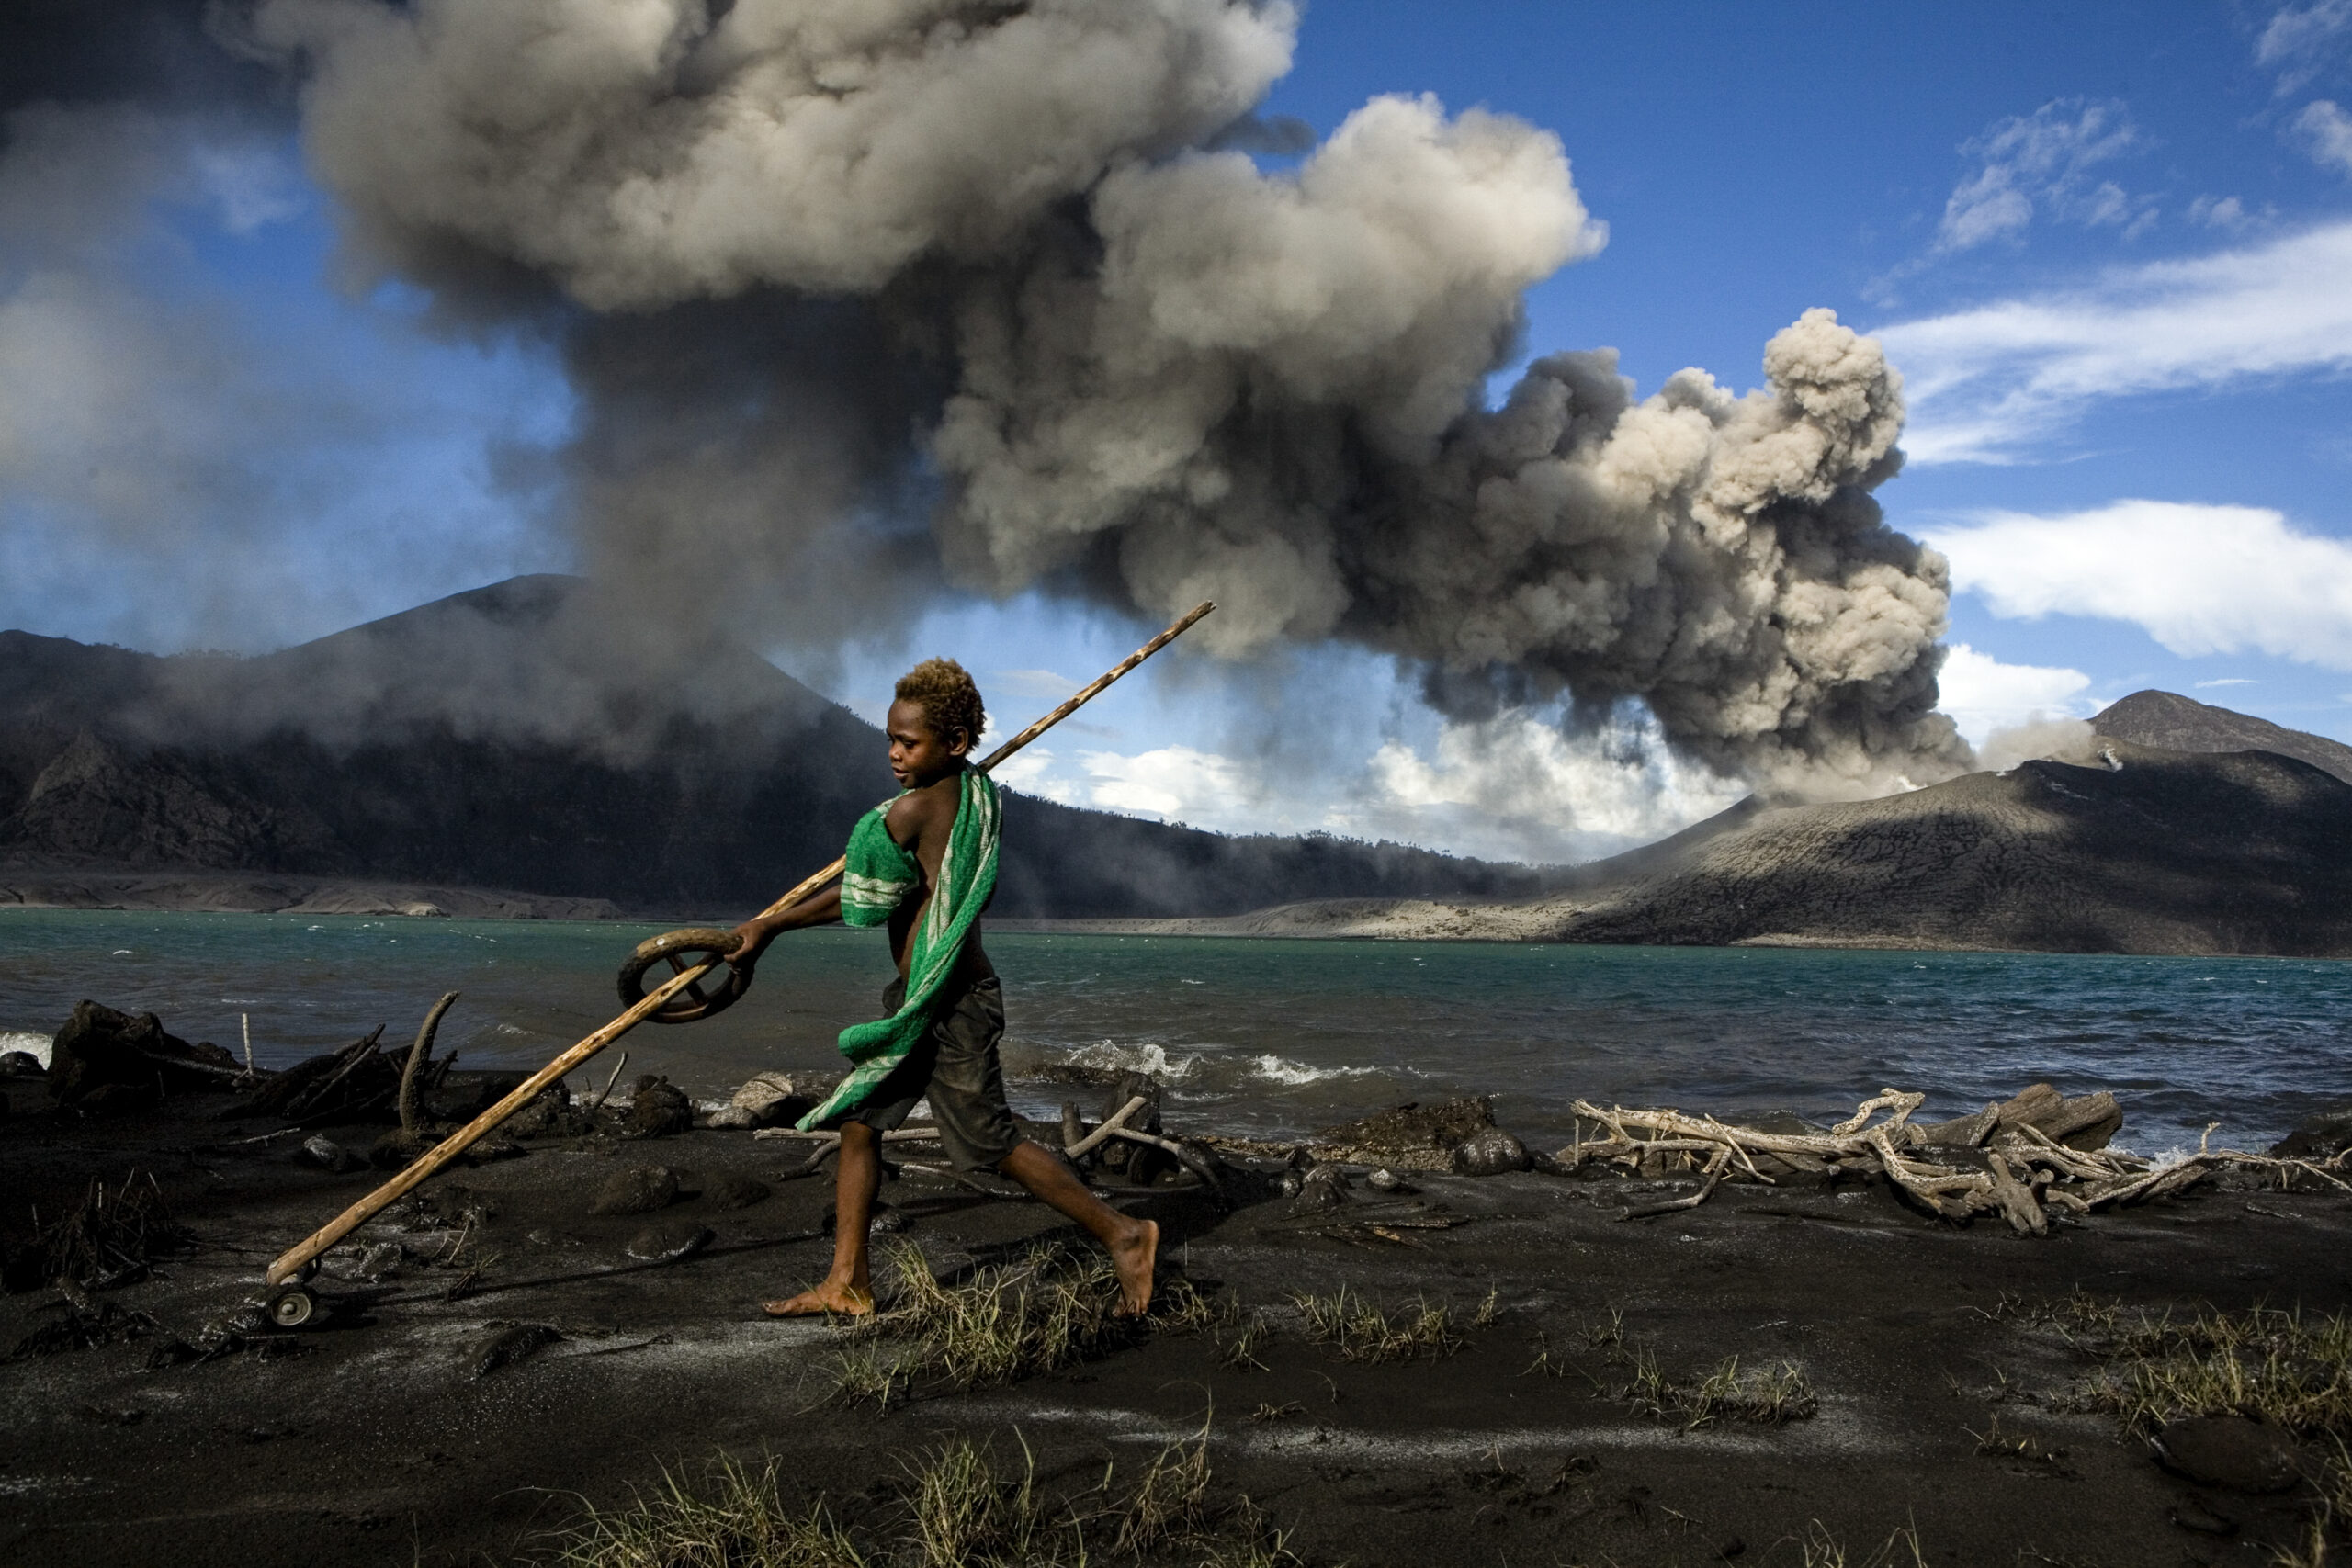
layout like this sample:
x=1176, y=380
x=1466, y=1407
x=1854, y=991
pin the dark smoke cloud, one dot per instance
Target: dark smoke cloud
x=823, y=265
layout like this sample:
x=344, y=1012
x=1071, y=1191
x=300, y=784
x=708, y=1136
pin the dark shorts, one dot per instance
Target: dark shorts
x=955, y=1065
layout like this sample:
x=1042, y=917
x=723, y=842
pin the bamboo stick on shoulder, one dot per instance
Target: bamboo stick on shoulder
x=422, y=1171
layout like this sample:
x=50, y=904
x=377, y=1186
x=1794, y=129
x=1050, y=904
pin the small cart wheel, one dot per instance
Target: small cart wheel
x=292, y=1307
x=685, y=949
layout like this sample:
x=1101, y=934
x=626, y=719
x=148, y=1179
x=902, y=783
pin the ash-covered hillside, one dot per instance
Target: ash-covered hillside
x=2184, y=724
x=517, y=737
x=2193, y=850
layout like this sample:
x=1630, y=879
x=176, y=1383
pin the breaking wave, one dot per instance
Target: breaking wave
x=1192, y=1070
x=25, y=1039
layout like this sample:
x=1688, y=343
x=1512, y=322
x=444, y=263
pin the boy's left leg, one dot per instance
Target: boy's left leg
x=968, y=1104
x=1133, y=1244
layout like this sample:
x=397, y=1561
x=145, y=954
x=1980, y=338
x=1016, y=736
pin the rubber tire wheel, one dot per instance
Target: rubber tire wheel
x=699, y=942
x=292, y=1307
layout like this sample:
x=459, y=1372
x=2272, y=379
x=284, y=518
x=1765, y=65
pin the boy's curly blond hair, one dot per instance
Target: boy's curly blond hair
x=947, y=696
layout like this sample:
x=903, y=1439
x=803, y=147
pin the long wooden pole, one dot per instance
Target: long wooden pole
x=465, y=1137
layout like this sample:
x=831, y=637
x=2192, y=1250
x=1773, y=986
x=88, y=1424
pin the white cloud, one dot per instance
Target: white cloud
x=2041, y=162
x=2227, y=681
x=1983, y=694
x=1991, y=384
x=1517, y=787
x=1512, y=788
x=2326, y=131
x=2200, y=580
x=2220, y=212
x=1177, y=784
x=2300, y=38
x=1035, y=682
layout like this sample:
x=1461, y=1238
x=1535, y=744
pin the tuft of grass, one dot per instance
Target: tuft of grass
x=1048, y=1310
x=963, y=1512
x=731, y=1515
x=1994, y=1443
x=1364, y=1333
x=1241, y=1351
x=1819, y=1549
x=956, y=1506
x=2278, y=1366
x=1770, y=1394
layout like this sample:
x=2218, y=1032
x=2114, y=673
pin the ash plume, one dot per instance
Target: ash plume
x=822, y=268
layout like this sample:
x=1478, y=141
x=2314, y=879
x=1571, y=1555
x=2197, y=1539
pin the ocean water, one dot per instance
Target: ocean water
x=1276, y=1038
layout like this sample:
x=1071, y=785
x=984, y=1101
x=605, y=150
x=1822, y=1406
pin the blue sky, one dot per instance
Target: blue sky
x=2111, y=246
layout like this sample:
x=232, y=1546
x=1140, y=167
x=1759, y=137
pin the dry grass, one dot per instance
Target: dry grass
x=1049, y=1310
x=2278, y=1366
x=1770, y=1394
x=1819, y=1549
x=957, y=1506
x=1364, y=1333
x=109, y=1237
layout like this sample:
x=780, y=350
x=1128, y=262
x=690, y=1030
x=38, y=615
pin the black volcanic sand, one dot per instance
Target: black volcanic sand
x=379, y=1441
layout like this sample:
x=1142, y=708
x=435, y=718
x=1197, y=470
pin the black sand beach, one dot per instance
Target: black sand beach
x=1945, y=1366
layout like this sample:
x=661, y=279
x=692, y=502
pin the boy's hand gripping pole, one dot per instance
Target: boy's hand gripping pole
x=657, y=1004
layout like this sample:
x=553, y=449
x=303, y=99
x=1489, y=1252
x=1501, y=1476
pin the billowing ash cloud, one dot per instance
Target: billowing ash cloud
x=828, y=263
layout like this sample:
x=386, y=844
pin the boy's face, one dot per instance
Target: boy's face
x=920, y=755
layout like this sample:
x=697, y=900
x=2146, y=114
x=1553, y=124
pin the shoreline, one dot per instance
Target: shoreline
x=391, y=1434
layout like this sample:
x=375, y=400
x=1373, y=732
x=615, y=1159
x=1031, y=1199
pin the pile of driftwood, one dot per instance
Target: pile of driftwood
x=1130, y=1125
x=2018, y=1159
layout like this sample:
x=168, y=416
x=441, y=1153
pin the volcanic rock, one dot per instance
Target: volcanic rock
x=328, y=1155
x=19, y=1064
x=657, y=1109
x=1410, y=1137
x=516, y=1342
x=2230, y=1452
x=2318, y=1138
x=670, y=1243
x=735, y=1190
x=639, y=1190
x=1489, y=1153
x=99, y=1046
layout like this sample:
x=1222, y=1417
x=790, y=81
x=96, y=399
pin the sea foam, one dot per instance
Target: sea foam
x=25, y=1039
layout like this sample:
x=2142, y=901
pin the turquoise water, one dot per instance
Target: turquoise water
x=1278, y=1037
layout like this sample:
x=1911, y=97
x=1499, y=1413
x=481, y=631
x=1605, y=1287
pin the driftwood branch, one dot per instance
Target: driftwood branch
x=2007, y=1160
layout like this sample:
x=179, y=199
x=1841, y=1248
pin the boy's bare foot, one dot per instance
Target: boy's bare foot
x=1134, y=1258
x=827, y=1300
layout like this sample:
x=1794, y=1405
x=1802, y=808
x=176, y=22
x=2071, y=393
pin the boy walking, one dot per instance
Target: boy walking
x=925, y=863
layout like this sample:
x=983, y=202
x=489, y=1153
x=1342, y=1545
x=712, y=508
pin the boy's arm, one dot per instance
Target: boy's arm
x=822, y=908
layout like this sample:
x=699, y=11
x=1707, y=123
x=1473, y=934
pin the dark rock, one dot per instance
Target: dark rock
x=764, y=1100
x=735, y=1190
x=1320, y=1188
x=1387, y=1181
x=118, y=1099
x=328, y=1155
x=461, y=1097
x=2230, y=1451
x=99, y=1046
x=1410, y=1137
x=400, y=1149
x=639, y=1190
x=2323, y=1137
x=20, y=1064
x=1490, y=1153
x=657, y=1109
x=2191, y=1514
x=519, y=1342
x=670, y=1243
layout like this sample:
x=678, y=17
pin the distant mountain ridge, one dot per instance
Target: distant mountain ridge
x=523, y=737
x=2183, y=724
x=2145, y=850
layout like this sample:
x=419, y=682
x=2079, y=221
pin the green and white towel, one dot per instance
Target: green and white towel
x=878, y=878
